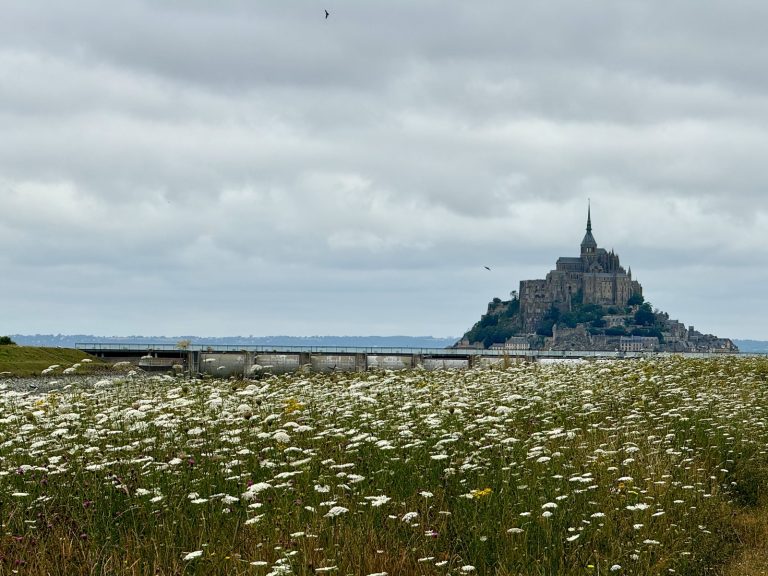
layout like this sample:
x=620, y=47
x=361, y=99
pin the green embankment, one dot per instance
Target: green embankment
x=32, y=360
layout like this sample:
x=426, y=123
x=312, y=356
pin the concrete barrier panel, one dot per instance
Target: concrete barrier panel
x=278, y=363
x=333, y=362
x=491, y=361
x=390, y=362
x=222, y=365
x=445, y=363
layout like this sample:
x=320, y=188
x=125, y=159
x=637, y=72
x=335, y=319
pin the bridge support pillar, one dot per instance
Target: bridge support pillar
x=305, y=361
x=361, y=362
x=417, y=361
x=193, y=362
x=247, y=363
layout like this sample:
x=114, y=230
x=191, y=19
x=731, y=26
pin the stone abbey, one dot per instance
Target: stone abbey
x=594, y=277
x=588, y=302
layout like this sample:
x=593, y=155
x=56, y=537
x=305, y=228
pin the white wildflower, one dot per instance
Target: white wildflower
x=254, y=489
x=377, y=501
x=282, y=437
x=335, y=511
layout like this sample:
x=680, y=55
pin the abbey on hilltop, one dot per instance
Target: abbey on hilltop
x=588, y=302
x=593, y=277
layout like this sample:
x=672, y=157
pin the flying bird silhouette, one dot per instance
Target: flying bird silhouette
x=486, y=267
x=327, y=14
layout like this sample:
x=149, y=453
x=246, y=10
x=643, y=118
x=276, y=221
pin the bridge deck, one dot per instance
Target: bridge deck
x=129, y=349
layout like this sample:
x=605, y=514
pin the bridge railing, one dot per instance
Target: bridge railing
x=129, y=348
x=132, y=347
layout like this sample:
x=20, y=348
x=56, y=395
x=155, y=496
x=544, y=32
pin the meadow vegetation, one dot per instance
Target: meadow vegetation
x=629, y=467
x=32, y=360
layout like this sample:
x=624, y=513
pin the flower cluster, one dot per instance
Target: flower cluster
x=625, y=466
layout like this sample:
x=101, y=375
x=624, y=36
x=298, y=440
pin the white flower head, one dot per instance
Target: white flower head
x=378, y=500
x=336, y=511
x=281, y=437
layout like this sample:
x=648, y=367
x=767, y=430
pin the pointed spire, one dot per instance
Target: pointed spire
x=588, y=245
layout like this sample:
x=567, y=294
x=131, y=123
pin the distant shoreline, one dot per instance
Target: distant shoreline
x=69, y=340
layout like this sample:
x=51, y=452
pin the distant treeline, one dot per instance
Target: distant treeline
x=69, y=340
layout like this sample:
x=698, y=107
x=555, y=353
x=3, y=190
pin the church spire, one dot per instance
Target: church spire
x=588, y=245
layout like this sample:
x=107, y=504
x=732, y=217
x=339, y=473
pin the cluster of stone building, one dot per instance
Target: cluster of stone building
x=597, y=277
x=675, y=338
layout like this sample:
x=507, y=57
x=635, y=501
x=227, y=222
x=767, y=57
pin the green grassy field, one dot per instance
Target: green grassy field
x=628, y=467
x=31, y=360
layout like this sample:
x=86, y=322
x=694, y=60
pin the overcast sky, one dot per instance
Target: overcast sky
x=223, y=168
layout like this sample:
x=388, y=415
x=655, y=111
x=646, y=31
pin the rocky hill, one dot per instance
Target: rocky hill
x=634, y=326
x=587, y=302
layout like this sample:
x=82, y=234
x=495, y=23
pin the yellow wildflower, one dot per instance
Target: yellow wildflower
x=481, y=493
x=292, y=405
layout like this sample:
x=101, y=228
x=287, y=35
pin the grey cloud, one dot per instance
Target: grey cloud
x=261, y=158
x=236, y=43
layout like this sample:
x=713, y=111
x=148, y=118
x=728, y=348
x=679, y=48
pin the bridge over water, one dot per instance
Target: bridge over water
x=226, y=360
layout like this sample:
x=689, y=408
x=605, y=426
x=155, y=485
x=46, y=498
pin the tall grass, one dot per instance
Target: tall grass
x=632, y=467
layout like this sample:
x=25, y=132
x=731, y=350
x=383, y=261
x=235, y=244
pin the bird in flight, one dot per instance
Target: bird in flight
x=327, y=14
x=486, y=267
